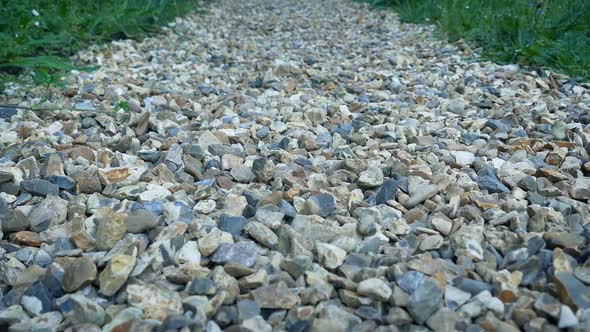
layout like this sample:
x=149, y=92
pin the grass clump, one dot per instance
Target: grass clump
x=37, y=36
x=552, y=34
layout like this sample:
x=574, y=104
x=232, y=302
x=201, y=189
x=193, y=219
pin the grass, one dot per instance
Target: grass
x=549, y=34
x=37, y=36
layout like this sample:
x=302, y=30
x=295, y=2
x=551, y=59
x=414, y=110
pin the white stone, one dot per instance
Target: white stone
x=330, y=256
x=464, y=158
x=189, y=253
x=375, y=288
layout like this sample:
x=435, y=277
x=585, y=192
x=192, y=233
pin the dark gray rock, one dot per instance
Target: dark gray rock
x=40, y=187
x=243, y=253
x=388, y=191
x=202, y=286
x=487, y=179
x=410, y=281
x=247, y=309
x=425, y=301
x=320, y=204
x=233, y=225
x=141, y=220
x=7, y=112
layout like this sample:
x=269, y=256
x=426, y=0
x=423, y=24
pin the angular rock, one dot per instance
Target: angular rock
x=39, y=187
x=156, y=302
x=375, y=288
x=115, y=274
x=425, y=301
x=275, y=296
x=78, y=274
x=244, y=253
x=329, y=255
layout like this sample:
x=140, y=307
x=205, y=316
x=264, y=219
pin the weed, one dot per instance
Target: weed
x=122, y=105
x=552, y=34
x=37, y=36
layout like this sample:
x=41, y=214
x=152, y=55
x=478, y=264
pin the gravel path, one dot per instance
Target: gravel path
x=296, y=165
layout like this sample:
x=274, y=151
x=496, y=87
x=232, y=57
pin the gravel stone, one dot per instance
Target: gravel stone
x=375, y=288
x=78, y=274
x=115, y=274
x=295, y=165
x=425, y=301
x=243, y=253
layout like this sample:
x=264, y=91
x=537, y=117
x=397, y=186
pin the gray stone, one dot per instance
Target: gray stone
x=329, y=255
x=110, y=229
x=320, y=204
x=425, y=301
x=156, y=302
x=388, y=191
x=202, y=286
x=423, y=193
x=141, y=220
x=262, y=234
x=275, y=296
x=51, y=211
x=86, y=310
x=14, y=221
x=78, y=274
x=263, y=169
x=410, y=281
x=371, y=178
x=244, y=253
x=115, y=274
x=40, y=187
x=375, y=288
x=567, y=318
x=242, y=173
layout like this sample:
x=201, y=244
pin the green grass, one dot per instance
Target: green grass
x=550, y=34
x=37, y=36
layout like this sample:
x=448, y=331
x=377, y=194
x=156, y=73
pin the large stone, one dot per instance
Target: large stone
x=232, y=225
x=244, y=253
x=564, y=240
x=156, y=302
x=467, y=241
x=263, y=169
x=571, y=291
x=78, y=274
x=375, y=288
x=115, y=274
x=36, y=299
x=40, y=187
x=242, y=173
x=463, y=158
x=388, y=191
x=110, y=229
x=275, y=296
x=189, y=253
x=423, y=193
x=329, y=255
x=141, y=220
x=371, y=178
x=488, y=180
x=14, y=221
x=442, y=223
x=86, y=310
x=410, y=281
x=425, y=301
x=262, y=234
x=51, y=211
x=581, y=189
x=320, y=204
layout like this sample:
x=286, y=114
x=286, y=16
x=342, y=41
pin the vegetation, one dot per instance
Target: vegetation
x=552, y=34
x=37, y=36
